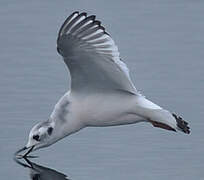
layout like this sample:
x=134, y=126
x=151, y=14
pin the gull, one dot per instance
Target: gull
x=101, y=94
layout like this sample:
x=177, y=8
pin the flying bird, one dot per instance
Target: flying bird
x=102, y=93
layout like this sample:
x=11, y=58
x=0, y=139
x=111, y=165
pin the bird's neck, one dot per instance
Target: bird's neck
x=63, y=129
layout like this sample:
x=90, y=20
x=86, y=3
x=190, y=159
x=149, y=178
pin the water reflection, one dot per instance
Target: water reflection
x=38, y=172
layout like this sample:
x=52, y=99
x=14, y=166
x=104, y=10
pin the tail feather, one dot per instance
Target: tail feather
x=182, y=125
x=164, y=119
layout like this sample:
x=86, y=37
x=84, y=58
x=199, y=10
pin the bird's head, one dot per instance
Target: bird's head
x=41, y=135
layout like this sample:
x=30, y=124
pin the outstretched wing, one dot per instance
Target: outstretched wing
x=92, y=56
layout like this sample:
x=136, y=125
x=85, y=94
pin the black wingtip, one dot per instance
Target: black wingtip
x=183, y=125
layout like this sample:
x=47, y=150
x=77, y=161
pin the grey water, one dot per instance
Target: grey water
x=161, y=41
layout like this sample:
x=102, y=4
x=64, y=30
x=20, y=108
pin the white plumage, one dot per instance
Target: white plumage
x=102, y=93
x=91, y=55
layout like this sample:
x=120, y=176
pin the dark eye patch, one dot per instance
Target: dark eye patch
x=49, y=130
x=36, y=137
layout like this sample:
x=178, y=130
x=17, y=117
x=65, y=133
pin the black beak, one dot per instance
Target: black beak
x=23, y=149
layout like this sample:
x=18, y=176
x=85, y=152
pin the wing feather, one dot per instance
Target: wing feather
x=83, y=23
x=92, y=56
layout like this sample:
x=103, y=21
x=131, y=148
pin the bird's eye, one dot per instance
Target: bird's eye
x=36, y=137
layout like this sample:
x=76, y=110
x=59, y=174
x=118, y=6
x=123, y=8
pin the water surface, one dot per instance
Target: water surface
x=161, y=42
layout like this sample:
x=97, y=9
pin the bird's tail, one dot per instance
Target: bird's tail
x=169, y=121
x=181, y=124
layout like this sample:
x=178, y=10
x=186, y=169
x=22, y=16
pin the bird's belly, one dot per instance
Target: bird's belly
x=111, y=111
x=114, y=120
